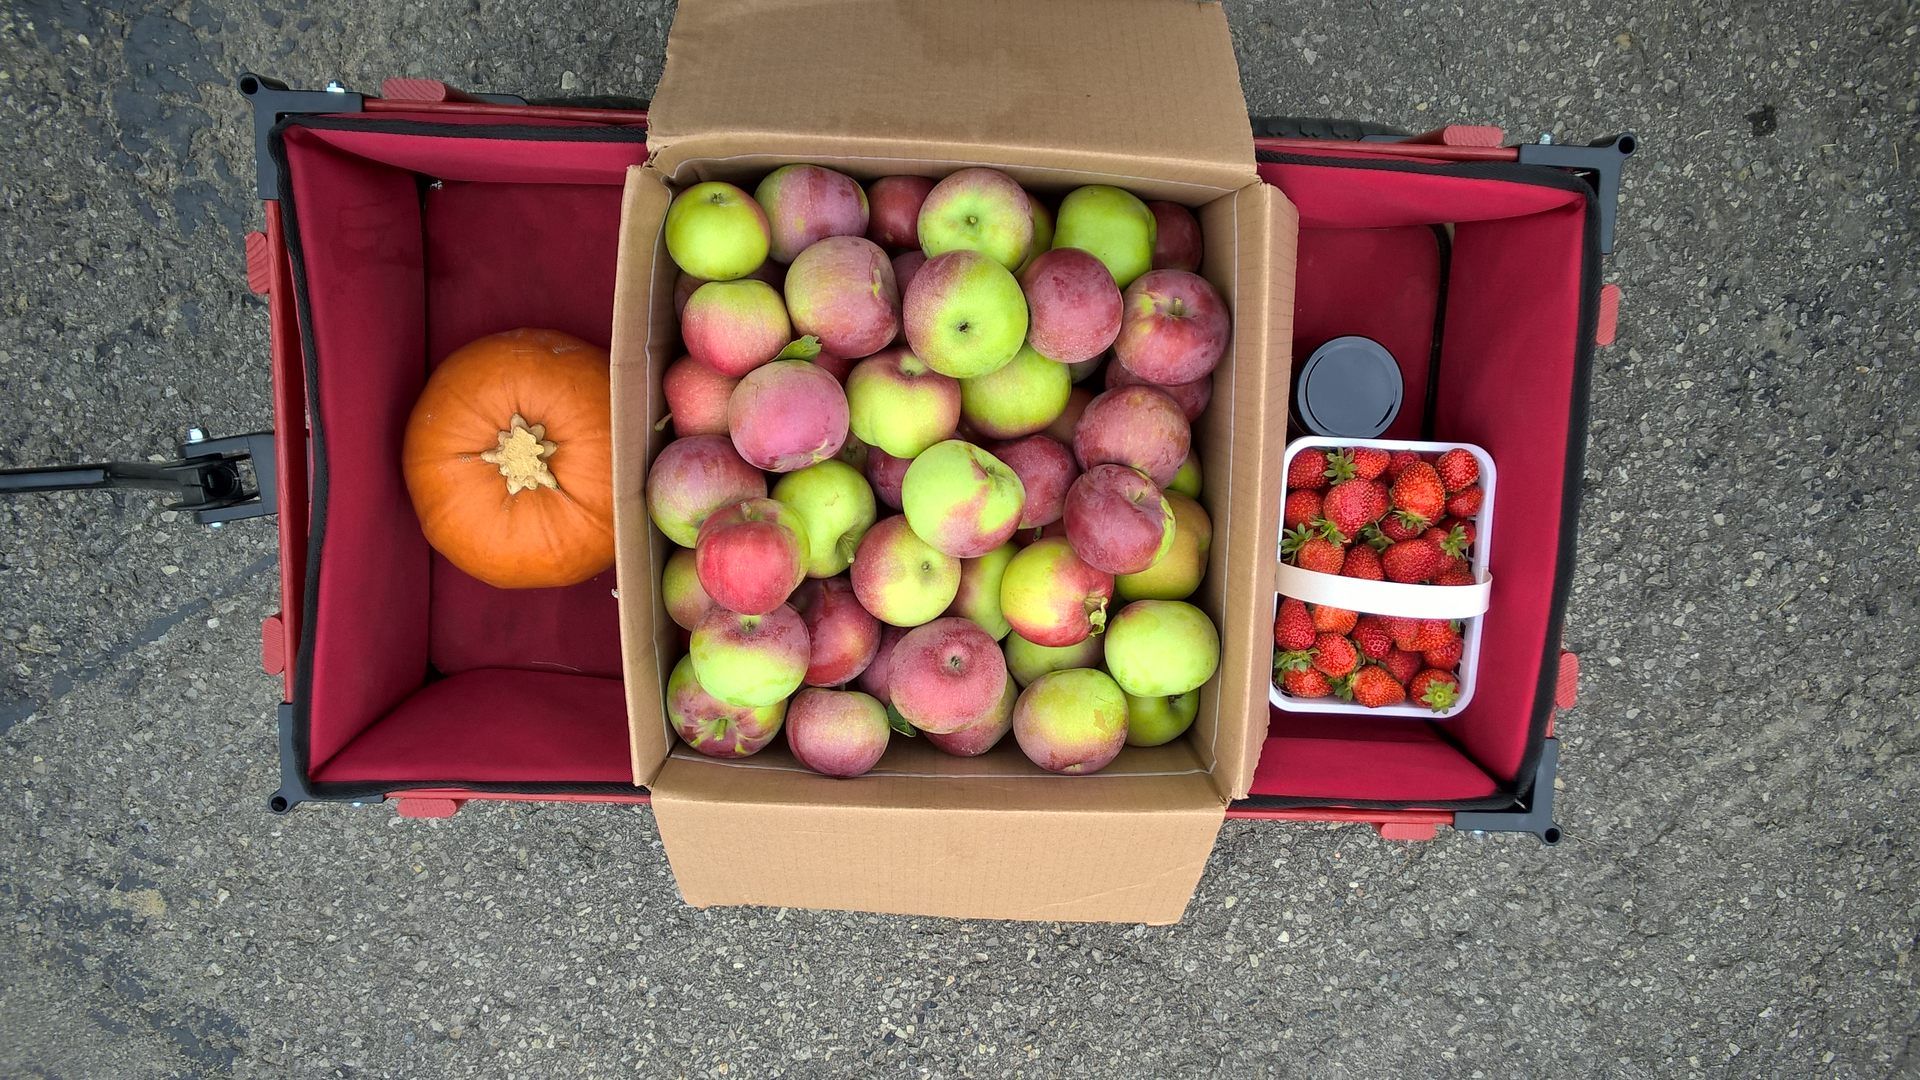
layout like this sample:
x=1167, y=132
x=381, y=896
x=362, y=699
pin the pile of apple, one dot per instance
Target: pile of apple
x=938, y=381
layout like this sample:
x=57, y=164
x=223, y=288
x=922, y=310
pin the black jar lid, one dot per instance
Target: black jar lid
x=1350, y=388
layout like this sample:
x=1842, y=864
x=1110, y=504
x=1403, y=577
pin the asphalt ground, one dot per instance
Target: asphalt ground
x=1735, y=895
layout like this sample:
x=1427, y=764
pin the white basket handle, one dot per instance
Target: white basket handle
x=1386, y=597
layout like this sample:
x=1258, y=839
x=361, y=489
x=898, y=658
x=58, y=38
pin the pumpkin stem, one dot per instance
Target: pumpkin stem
x=522, y=456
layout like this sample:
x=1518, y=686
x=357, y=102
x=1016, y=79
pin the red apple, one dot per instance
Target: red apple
x=1046, y=469
x=1176, y=237
x=714, y=727
x=787, y=415
x=837, y=732
x=1117, y=520
x=1193, y=396
x=905, y=265
x=735, y=326
x=1139, y=426
x=1073, y=306
x=751, y=555
x=886, y=473
x=691, y=478
x=696, y=397
x=946, y=675
x=880, y=670
x=808, y=203
x=843, y=635
x=984, y=733
x=841, y=290
x=894, y=220
x=1175, y=329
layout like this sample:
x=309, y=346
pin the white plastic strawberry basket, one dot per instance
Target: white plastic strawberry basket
x=1467, y=603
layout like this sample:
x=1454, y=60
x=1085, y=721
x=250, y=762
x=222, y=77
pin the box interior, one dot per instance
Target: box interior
x=1504, y=305
x=425, y=238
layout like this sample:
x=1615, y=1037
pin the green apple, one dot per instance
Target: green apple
x=716, y=231
x=965, y=314
x=1027, y=661
x=836, y=505
x=750, y=660
x=979, y=595
x=981, y=210
x=1112, y=224
x=1160, y=648
x=961, y=499
x=1178, y=572
x=1019, y=399
x=1187, y=480
x=1071, y=721
x=1155, y=721
x=899, y=404
x=1042, y=234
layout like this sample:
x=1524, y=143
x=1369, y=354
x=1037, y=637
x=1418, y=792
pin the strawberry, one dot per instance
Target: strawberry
x=1335, y=656
x=1456, y=572
x=1352, y=505
x=1458, y=470
x=1293, y=627
x=1312, y=551
x=1308, y=470
x=1363, y=562
x=1303, y=508
x=1437, y=690
x=1332, y=620
x=1419, y=635
x=1400, y=525
x=1465, y=528
x=1373, y=687
x=1371, y=636
x=1369, y=461
x=1305, y=682
x=1418, y=493
x=1413, y=561
x=1401, y=664
x=1446, y=655
x=1465, y=503
x=1398, y=461
x=1453, y=541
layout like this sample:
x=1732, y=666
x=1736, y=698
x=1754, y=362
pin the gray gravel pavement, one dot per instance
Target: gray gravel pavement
x=1736, y=893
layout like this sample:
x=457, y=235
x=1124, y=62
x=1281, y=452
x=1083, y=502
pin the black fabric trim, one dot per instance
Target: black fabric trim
x=317, y=521
x=1507, y=793
x=1445, y=242
x=574, y=132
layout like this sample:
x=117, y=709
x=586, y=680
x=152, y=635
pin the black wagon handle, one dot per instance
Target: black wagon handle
x=210, y=477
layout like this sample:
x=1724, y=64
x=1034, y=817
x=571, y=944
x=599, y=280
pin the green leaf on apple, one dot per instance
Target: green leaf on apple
x=899, y=723
x=804, y=349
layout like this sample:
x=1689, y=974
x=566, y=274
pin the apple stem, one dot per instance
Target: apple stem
x=1097, y=614
x=846, y=547
x=664, y=421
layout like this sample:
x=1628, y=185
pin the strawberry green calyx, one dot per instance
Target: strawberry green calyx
x=1376, y=539
x=1295, y=660
x=1296, y=538
x=1340, y=465
x=1456, y=544
x=1331, y=531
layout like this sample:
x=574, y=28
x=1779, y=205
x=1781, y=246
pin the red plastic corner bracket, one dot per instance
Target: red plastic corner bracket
x=259, y=264
x=429, y=808
x=1608, y=325
x=273, y=644
x=1406, y=830
x=1567, y=690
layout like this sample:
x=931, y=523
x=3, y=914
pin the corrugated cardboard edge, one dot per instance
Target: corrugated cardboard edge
x=636, y=399
x=1265, y=227
x=1122, y=846
x=957, y=83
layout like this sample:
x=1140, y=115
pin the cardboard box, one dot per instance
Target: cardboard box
x=1143, y=94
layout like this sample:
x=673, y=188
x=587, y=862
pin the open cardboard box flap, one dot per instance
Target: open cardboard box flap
x=1146, y=89
x=926, y=833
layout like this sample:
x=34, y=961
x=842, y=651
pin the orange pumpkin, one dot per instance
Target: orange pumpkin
x=509, y=459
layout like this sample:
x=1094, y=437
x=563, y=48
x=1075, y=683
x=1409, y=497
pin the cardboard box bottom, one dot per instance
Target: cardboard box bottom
x=930, y=834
